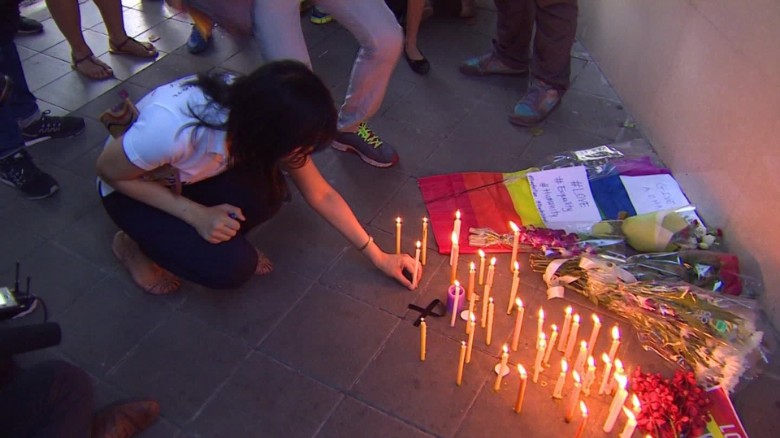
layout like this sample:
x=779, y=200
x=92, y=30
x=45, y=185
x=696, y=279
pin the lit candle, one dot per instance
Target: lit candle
x=454, y=253
x=521, y=392
x=565, y=330
x=617, y=404
x=574, y=397
x=470, y=344
x=481, y=267
x=590, y=376
x=416, y=261
x=628, y=430
x=558, y=391
x=461, y=363
x=424, y=241
x=398, y=235
x=551, y=344
x=491, y=272
x=584, y=412
x=636, y=407
x=501, y=367
x=513, y=290
x=615, y=342
x=518, y=323
x=485, y=300
x=423, y=336
x=575, y=327
x=472, y=273
x=579, y=364
x=456, y=224
x=538, y=361
x=619, y=371
x=594, y=334
x=540, y=322
x=455, y=303
x=515, y=243
x=489, y=333
x=470, y=315
x=607, y=372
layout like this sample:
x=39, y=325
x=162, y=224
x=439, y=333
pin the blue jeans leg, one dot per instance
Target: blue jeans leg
x=21, y=103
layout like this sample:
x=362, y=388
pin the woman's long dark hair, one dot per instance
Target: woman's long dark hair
x=281, y=110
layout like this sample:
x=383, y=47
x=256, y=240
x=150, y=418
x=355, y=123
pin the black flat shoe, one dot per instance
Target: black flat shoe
x=419, y=66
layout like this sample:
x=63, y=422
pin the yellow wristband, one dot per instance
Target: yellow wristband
x=368, y=242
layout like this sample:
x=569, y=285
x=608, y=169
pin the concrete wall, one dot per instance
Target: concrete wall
x=702, y=78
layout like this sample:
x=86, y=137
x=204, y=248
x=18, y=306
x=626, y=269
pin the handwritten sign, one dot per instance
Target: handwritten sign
x=563, y=196
x=650, y=193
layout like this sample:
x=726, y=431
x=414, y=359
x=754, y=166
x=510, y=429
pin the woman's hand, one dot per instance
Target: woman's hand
x=218, y=223
x=393, y=265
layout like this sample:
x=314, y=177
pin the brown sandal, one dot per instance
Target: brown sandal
x=105, y=71
x=146, y=50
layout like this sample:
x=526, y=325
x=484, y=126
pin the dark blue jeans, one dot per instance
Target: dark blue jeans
x=177, y=247
x=50, y=400
x=21, y=103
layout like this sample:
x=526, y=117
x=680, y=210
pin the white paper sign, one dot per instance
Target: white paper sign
x=563, y=196
x=651, y=193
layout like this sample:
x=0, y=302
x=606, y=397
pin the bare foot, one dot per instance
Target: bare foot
x=147, y=274
x=264, y=265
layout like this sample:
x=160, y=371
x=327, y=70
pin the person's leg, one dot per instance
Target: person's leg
x=511, y=44
x=67, y=17
x=556, y=27
x=51, y=399
x=21, y=104
x=412, y=54
x=178, y=248
x=277, y=28
x=119, y=41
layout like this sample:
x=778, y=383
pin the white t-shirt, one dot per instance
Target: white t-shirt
x=161, y=134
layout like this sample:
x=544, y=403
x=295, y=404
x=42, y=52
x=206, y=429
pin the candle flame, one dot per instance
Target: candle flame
x=522, y=372
x=605, y=358
x=618, y=364
x=635, y=403
x=425, y=220
x=564, y=366
x=457, y=284
x=576, y=376
x=630, y=415
x=622, y=380
x=472, y=267
x=583, y=345
x=418, y=244
x=596, y=319
x=457, y=214
x=541, y=314
x=463, y=343
x=583, y=409
x=542, y=344
x=519, y=303
x=615, y=333
x=514, y=227
x=517, y=266
x=490, y=301
x=506, y=348
x=568, y=310
x=398, y=220
x=472, y=317
x=577, y=318
x=454, y=238
x=542, y=337
x=592, y=362
x=554, y=328
x=481, y=253
x=493, y=261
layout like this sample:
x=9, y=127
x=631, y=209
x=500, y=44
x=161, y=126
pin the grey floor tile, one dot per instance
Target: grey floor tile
x=182, y=362
x=73, y=90
x=42, y=41
x=332, y=60
x=108, y=323
x=552, y=139
x=313, y=337
x=61, y=151
x=94, y=108
x=97, y=42
x=407, y=203
x=438, y=107
x=414, y=143
x=423, y=393
x=590, y=80
x=91, y=235
x=265, y=399
x=168, y=69
x=41, y=70
x=353, y=418
x=589, y=113
x=250, y=312
x=18, y=238
x=167, y=36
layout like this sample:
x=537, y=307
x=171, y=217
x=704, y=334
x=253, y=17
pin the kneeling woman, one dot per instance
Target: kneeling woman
x=223, y=143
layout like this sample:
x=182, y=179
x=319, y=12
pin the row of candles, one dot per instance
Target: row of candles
x=612, y=381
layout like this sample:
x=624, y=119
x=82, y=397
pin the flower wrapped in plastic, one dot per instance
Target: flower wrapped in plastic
x=552, y=242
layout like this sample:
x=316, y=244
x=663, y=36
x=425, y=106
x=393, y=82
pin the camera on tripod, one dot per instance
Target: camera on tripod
x=14, y=302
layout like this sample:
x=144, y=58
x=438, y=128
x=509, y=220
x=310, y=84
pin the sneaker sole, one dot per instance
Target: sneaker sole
x=54, y=190
x=35, y=141
x=347, y=148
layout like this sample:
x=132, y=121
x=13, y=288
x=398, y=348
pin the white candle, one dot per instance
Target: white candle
x=594, y=334
x=619, y=371
x=628, y=430
x=636, y=407
x=456, y=224
x=574, y=397
x=513, y=290
x=538, y=361
x=481, y=267
x=565, y=330
x=489, y=333
x=423, y=337
x=521, y=392
x=540, y=322
x=502, y=365
x=491, y=272
x=590, y=376
x=584, y=413
x=607, y=372
x=470, y=343
x=424, y=240
x=579, y=364
x=558, y=391
x=518, y=323
x=617, y=404
x=455, y=303
x=515, y=243
x=551, y=344
x=398, y=235
x=472, y=273
x=615, y=342
x=461, y=363
x=454, y=253
x=416, y=262
x=575, y=328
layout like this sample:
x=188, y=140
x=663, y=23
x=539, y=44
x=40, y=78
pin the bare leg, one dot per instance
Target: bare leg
x=147, y=274
x=414, y=12
x=120, y=42
x=67, y=17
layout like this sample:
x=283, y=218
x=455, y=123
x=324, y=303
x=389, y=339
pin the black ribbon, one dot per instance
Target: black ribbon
x=435, y=308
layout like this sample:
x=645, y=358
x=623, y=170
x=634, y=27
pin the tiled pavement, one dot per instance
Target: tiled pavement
x=324, y=346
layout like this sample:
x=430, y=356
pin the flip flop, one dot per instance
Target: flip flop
x=146, y=50
x=105, y=71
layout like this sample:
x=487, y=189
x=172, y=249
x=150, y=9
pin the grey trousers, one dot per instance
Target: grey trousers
x=277, y=27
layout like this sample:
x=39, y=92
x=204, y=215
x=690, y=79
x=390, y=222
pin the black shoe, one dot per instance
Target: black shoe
x=5, y=88
x=20, y=171
x=419, y=66
x=52, y=127
x=28, y=26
